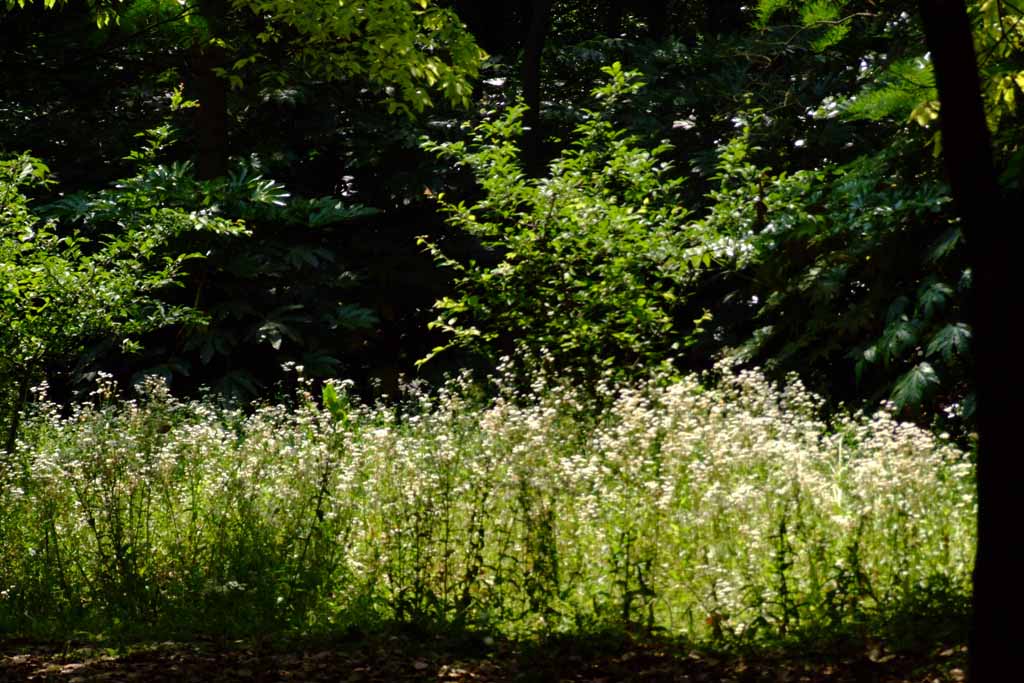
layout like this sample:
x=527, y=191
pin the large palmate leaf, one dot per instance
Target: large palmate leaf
x=952, y=340
x=932, y=298
x=913, y=386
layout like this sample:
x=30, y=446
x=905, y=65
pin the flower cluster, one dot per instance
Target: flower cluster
x=708, y=505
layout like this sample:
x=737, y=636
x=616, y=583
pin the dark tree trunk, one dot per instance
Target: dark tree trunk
x=493, y=24
x=20, y=400
x=996, y=309
x=211, y=119
x=503, y=28
x=536, y=21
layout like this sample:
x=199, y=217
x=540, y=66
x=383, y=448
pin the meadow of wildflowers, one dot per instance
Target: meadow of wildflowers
x=726, y=509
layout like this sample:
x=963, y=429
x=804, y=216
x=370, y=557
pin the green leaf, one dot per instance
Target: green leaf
x=952, y=340
x=336, y=405
x=904, y=91
x=819, y=11
x=318, y=364
x=945, y=244
x=897, y=309
x=899, y=337
x=932, y=298
x=584, y=254
x=912, y=388
x=239, y=383
x=352, y=317
x=925, y=113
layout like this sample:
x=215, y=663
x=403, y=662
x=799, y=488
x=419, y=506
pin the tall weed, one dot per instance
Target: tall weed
x=725, y=509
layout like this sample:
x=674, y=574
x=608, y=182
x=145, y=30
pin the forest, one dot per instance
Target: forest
x=529, y=340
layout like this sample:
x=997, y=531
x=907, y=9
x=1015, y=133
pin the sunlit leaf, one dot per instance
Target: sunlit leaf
x=914, y=386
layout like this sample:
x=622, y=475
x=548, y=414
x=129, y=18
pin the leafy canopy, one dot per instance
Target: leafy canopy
x=409, y=48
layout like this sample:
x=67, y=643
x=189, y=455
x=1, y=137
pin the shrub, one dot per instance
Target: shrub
x=587, y=265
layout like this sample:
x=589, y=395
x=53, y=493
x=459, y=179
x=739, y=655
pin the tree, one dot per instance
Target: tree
x=518, y=30
x=330, y=70
x=60, y=288
x=404, y=49
x=996, y=312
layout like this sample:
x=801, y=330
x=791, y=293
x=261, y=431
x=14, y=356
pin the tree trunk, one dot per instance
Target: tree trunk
x=493, y=24
x=211, y=119
x=11, y=442
x=536, y=22
x=995, y=308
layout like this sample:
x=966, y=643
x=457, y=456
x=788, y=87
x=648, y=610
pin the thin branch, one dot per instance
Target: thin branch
x=169, y=20
x=836, y=22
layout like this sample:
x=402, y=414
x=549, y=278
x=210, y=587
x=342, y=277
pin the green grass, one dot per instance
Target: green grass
x=731, y=513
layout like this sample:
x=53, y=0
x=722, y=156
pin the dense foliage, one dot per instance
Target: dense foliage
x=61, y=291
x=586, y=264
x=233, y=205
x=770, y=193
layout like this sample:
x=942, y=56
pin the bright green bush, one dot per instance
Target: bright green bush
x=731, y=511
x=587, y=264
x=64, y=283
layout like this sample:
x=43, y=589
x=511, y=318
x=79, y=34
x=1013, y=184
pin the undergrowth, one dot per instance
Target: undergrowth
x=724, y=511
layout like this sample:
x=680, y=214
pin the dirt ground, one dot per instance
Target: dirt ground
x=411, y=658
